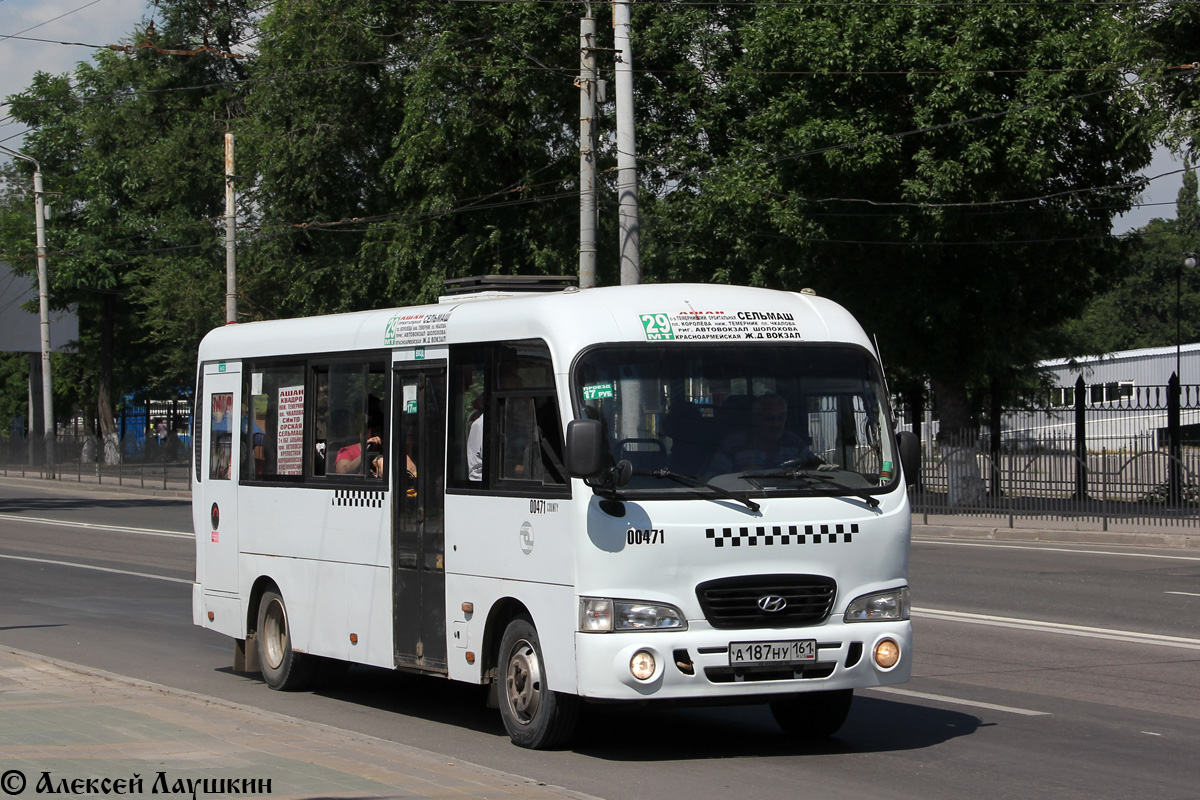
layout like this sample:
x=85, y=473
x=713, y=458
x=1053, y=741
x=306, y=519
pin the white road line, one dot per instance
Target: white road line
x=959, y=701
x=97, y=569
x=1133, y=637
x=1185, y=594
x=1043, y=549
x=97, y=526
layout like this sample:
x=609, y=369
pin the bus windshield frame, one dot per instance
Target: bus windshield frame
x=797, y=419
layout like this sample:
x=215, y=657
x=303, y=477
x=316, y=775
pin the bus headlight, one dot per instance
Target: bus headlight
x=601, y=614
x=892, y=604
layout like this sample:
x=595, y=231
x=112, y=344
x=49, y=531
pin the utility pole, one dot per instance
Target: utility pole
x=39, y=206
x=588, y=89
x=39, y=209
x=230, y=237
x=627, y=189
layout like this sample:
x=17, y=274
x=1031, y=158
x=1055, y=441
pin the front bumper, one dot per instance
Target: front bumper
x=844, y=661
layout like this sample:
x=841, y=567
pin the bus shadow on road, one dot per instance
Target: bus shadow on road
x=27, y=504
x=875, y=725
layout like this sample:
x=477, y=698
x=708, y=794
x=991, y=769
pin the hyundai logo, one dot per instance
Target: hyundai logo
x=772, y=603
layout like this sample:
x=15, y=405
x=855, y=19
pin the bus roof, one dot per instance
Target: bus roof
x=567, y=320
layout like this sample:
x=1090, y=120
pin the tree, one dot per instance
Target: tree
x=1140, y=310
x=135, y=148
x=937, y=169
x=400, y=143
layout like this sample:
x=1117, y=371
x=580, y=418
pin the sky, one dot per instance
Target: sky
x=103, y=22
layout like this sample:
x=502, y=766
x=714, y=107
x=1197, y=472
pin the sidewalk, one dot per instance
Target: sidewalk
x=69, y=729
x=1065, y=531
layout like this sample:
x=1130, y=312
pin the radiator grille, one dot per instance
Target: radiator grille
x=734, y=602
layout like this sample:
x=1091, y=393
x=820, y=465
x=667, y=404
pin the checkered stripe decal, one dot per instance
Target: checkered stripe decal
x=780, y=534
x=357, y=498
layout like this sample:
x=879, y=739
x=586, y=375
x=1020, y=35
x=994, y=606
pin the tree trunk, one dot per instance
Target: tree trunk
x=104, y=382
x=959, y=440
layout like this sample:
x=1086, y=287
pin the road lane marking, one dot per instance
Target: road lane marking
x=1185, y=594
x=98, y=526
x=1040, y=549
x=96, y=568
x=1132, y=637
x=959, y=701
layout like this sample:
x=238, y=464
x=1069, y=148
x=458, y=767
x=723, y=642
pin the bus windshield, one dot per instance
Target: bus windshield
x=752, y=420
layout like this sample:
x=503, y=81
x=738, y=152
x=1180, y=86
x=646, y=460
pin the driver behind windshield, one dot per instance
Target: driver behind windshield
x=767, y=443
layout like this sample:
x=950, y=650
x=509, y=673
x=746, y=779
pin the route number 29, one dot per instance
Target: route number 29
x=657, y=327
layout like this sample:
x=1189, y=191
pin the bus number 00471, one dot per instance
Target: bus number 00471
x=645, y=536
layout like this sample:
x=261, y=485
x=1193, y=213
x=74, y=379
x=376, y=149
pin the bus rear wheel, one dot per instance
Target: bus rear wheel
x=282, y=668
x=534, y=716
x=812, y=715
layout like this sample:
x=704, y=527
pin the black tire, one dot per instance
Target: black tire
x=812, y=715
x=534, y=716
x=282, y=668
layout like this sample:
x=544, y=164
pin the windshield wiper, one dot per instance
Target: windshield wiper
x=726, y=493
x=837, y=489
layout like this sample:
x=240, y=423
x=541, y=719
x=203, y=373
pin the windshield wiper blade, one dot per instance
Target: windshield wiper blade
x=836, y=489
x=726, y=493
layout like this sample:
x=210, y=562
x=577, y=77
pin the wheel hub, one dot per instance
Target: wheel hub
x=523, y=681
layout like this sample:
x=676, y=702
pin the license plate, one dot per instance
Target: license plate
x=745, y=654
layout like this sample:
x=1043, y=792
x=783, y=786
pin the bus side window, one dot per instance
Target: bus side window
x=273, y=422
x=466, y=455
x=530, y=436
x=505, y=429
x=350, y=420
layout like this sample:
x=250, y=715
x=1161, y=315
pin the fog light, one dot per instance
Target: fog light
x=642, y=665
x=887, y=653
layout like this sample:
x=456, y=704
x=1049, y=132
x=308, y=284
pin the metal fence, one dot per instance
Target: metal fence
x=1129, y=457
x=141, y=461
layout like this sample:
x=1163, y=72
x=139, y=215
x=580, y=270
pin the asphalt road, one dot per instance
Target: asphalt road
x=1040, y=672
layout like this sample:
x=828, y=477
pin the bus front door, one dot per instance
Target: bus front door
x=418, y=532
x=217, y=551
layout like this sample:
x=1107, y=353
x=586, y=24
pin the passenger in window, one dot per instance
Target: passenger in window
x=767, y=443
x=475, y=447
x=349, y=458
x=410, y=450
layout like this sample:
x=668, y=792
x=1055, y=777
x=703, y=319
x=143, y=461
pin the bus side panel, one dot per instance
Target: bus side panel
x=552, y=607
x=349, y=526
x=516, y=538
x=327, y=602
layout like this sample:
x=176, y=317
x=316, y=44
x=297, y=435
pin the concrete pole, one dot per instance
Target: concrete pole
x=627, y=188
x=43, y=275
x=230, y=236
x=587, y=151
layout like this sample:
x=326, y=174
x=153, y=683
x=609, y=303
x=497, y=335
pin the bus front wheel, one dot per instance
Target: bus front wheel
x=282, y=668
x=812, y=715
x=534, y=716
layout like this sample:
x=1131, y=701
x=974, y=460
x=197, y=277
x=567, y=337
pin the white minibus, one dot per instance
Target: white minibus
x=664, y=493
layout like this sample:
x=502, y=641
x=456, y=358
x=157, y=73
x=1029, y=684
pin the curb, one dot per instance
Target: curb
x=60, y=484
x=1159, y=539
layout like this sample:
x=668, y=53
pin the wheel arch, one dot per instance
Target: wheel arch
x=261, y=584
x=502, y=612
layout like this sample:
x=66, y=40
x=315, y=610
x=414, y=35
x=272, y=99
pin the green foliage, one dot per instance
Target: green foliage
x=1142, y=308
x=934, y=167
x=876, y=151
x=136, y=152
x=14, y=389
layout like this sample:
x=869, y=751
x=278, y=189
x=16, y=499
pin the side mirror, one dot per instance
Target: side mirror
x=585, y=448
x=910, y=456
